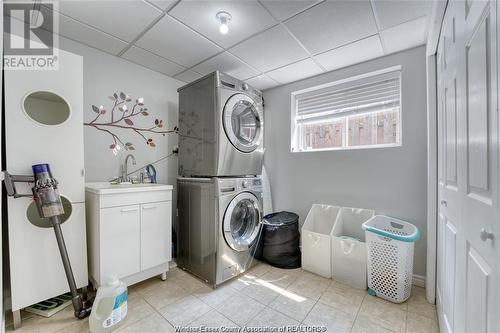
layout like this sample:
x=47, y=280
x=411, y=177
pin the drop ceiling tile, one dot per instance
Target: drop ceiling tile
x=297, y=71
x=85, y=34
x=262, y=82
x=172, y=40
x=285, y=9
x=332, y=24
x=163, y=4
x=404, y=36
x=188, y=76
x=269, y=50
x=152, y=61
x=228, y=64
x=391, y=13
x=122, y=19
x=362, y=50
x=248, y=18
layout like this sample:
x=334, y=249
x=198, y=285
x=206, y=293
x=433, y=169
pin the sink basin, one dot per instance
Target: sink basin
x=134, y=185
x=105, y=187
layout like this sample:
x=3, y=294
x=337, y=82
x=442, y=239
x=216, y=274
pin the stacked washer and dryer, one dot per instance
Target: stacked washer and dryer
x=220, y=188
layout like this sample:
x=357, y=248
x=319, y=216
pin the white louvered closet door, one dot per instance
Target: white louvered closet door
x=468, y=151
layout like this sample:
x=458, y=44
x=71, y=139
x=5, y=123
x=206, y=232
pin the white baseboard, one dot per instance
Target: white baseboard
x=419, y=280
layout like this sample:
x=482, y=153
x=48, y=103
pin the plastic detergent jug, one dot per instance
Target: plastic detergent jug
x=110, y=306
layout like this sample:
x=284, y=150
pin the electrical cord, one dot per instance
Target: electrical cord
x=174, y=152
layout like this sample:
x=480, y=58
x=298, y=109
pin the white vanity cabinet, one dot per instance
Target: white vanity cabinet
x=155, y=234
x=128, y=231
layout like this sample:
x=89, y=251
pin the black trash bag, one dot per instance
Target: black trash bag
x=280, y=239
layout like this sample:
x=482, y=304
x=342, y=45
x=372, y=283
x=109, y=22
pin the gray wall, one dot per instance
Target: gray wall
x=104, y=74
x=390, y=180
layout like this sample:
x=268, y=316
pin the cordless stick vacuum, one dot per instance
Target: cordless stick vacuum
x=49, y=205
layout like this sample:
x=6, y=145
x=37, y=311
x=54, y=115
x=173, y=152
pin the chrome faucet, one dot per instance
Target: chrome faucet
x=125, y=167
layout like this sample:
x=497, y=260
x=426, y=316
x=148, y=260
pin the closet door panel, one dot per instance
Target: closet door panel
x=468, y=249
x=477, y=86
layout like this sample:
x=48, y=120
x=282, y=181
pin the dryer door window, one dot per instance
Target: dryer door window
x=242, y=123
x=242, y=221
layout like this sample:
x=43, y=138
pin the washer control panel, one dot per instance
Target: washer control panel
x=230, y=185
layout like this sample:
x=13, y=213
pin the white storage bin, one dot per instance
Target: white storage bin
x=390, y=257
x=316, y=239
x=349, y=247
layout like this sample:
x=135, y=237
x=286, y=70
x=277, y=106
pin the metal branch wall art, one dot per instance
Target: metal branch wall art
x=122, y=116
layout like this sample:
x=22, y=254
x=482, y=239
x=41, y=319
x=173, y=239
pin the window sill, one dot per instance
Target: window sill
x=394, y=145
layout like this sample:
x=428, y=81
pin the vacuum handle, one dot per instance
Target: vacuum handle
x=10, y=184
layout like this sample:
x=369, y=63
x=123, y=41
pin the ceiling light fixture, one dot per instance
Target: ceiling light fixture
x=223, y=18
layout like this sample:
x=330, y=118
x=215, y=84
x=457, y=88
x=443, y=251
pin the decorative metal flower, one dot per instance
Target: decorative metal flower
x=124, y=120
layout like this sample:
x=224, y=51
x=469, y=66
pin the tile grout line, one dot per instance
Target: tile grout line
x=377, y=24
x=140, y=35
x=357, y=313
x=166, y=12
x=226, y=49
x=148, y=27
x=236, y=291
x=317, y=301
x=213, y=308
x=284, y=26
x=266, y=306
x=177, y=301
x=155, y=310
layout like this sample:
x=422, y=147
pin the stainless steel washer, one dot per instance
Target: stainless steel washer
x=220, y=128
x=219, y=221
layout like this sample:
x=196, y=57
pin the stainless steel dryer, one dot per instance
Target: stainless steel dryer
x=220, y=128
x=219, y=221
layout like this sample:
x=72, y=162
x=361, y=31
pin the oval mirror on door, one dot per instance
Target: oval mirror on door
x=46, y=108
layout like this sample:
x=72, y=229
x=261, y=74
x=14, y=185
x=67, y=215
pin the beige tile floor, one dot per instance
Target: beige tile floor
x=264, y=296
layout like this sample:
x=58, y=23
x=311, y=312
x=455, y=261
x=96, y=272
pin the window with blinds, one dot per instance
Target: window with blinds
x=360, y=112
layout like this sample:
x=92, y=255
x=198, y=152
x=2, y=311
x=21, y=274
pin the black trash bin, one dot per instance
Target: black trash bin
x=279, y=242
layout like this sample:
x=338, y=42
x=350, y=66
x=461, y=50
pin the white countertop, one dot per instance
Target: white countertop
x=107, y=188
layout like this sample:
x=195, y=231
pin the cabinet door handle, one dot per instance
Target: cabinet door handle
x=149, y=207
x=126, y=210
x=444, y=203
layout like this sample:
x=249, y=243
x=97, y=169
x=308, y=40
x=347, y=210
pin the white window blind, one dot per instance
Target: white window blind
x=353, y=113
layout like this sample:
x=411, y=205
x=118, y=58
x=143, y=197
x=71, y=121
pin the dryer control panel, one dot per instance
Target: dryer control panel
x=229, y=82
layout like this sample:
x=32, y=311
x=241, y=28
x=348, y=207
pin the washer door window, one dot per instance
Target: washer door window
x=242, y=221
x=242, y=123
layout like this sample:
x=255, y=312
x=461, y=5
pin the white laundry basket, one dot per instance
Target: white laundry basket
x=349, y=247
x=390, y=257
x=316, y=239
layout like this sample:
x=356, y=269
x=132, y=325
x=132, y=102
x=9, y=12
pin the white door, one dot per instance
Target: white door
x=448, y=187
x=479, y=164
x=120, y=241
x=156, y=234
x=468, y=264
x=44, y=123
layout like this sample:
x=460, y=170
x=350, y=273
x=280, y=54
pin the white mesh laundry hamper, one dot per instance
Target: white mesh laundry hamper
x=390, y=244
